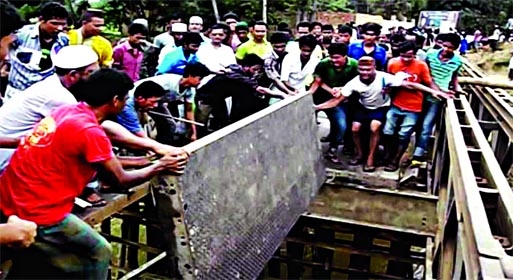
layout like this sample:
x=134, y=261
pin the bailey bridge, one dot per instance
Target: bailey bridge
x=258, y=201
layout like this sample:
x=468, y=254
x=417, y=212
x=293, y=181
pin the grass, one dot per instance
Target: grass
x=493, y=63
x=117, y=247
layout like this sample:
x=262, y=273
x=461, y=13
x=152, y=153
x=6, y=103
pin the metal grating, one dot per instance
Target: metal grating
x=243, y=191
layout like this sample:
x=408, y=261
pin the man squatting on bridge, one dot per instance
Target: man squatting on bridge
x=63, y=110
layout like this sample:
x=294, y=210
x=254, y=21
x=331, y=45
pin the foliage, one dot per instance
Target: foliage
x=119, y=13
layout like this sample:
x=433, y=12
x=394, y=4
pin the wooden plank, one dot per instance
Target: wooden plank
x=115, y=203
x=485, y=82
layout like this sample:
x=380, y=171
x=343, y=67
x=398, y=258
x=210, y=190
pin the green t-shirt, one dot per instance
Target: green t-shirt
x=333, y=77
x=442, y=72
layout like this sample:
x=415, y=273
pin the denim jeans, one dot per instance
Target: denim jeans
x=337, y=118
x=431, y=112
x=406, y=126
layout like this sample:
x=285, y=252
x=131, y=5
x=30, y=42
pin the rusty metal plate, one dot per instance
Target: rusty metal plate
x=245, y=187
x=392, y=209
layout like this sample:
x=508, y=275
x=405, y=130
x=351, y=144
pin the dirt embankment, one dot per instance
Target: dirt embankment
x=494, y=64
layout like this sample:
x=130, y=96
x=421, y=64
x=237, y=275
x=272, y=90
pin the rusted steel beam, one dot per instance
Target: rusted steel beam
x=405, y=211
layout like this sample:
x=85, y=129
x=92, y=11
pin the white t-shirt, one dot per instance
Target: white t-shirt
x=20, y=113
x=215, y=58
x=292, y=72
x=372, y=95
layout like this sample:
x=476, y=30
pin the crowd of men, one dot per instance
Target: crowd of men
x=72, y=94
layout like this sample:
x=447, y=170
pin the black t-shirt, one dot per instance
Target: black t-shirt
x=46, y=62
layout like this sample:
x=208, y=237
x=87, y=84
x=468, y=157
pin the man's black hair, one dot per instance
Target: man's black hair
x=279, y=37
x=53, y=10
x=231, y=15
x=407, y=46
x=92, y=13
x=452, y=38
x=10, y=18
x=260, y=22
x=337, y=48
x=314, y=24
x=308, y=41
x=222, y=26
x=137, y=28
x=283, y=26
x=303, y=24
x=192, y=38
x=103, y=85
x=196, y=70
x=148, y=89
x=345, y=29
x=371, y=26
x=397, y=39
x=252, y=60
x=326, y=27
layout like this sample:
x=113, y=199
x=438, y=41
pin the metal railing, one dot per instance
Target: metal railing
x=475, y=201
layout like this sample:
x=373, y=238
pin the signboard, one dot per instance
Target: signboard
x=439, y=19
x=364, y=18
x=335, y=18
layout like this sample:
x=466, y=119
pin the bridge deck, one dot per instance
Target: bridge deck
x=115, y=203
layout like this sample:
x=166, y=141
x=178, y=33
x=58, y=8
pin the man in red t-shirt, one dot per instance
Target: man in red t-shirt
x=54, y=163
x=406, y=103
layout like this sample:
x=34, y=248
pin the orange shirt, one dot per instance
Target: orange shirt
x=407, y=99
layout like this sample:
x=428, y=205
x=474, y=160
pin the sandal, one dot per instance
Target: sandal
x=391, y=167
x=367, y=168
x=355, y=161
x=325, y=139
x=333, y=158
x=92, y=196
x=331, y=155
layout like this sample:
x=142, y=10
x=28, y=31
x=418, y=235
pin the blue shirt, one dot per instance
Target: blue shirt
x=174, y=62
x=25, y=56
x=357, y=51
x=128, y=118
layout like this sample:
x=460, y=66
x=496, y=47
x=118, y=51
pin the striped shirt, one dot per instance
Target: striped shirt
x=26, y=55
x=442, y=72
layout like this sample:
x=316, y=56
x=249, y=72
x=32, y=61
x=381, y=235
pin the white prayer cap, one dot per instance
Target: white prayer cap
x=74, y=57
x=196, y=19
x=141, y=21
x=179, y=27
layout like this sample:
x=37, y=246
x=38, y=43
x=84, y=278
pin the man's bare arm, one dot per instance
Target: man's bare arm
x=435, y=93
x=134, y=162
x=189, y=115
x=9, y=142
x=330, y=103
x=112, y=172
x=119, y=135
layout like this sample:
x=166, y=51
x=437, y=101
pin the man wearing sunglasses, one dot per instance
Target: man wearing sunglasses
x=30, y=54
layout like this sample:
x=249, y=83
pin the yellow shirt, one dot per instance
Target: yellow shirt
x=100, y=45
x=263, y=49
